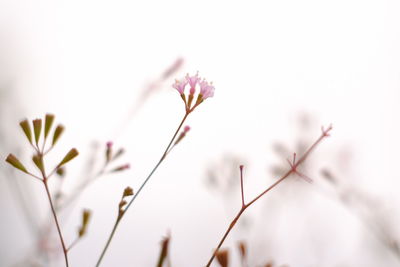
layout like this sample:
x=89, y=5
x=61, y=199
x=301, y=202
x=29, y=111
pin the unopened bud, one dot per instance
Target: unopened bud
x=109, y=151
x=121, y=168
x=11, y=159
x=127, y=192
x=242, y=249
x=48, y=122
x=119, y=153
x=70, y=156
x=57, y=133
x=27, y=130
x=38, y=160
x=86, y=214
x=37, y=129
x=164, y=250
x=186, y=129
x=61, y=172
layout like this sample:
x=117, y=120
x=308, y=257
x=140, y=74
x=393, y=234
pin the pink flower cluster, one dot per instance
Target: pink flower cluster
x=206, y=90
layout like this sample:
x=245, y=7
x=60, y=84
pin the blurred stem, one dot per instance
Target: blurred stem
x=292, y=170
x=164, y=155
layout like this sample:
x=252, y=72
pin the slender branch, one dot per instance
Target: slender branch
x=241, y=184
x=34, y=176
x=292, y=170
x=164, y=155
x=65, y=250
x=73, y=244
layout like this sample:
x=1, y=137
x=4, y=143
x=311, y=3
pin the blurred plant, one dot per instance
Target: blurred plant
x=148, y=90
x=368, y=210
x=221, y=174
x=109, y=157
x=39, y=146
x=293, y=170
x=206, y=90
x=222, y=257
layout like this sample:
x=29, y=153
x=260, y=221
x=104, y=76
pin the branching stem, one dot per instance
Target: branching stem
x=292, y=170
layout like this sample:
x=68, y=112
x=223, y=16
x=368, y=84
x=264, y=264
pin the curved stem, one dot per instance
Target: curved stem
x=164, y=155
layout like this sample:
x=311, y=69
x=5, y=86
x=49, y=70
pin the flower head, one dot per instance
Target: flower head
x=206, y=89
x=180, y=85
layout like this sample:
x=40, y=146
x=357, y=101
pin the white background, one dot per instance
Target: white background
x=270, y=61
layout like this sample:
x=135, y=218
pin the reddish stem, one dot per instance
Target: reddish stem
x=293, y=169
x=65, y=250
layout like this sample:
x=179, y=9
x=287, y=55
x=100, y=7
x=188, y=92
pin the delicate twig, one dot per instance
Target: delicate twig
x=65, y=250
x=34, y=176
x=293, y=170
x=374, y=225
x=140, y=189
x=241, y=184
x=73, y=243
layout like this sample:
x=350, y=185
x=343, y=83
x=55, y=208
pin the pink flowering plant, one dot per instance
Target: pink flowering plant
x=193, y=91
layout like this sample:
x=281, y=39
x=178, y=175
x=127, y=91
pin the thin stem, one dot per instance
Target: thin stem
x=140, y=188
x=56, y=221
x=108, y=241
x=231, y=225
x=293, y=170
x=73, y=244
x=34, y=176
x=241, y=184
